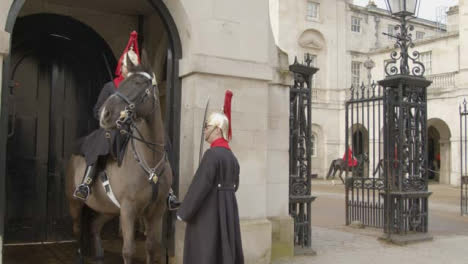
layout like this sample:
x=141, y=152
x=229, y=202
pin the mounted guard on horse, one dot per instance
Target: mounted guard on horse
x=132, y=186
x=99, y=144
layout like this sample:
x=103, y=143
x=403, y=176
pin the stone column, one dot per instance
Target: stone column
x=4, y=50
x=463, y=42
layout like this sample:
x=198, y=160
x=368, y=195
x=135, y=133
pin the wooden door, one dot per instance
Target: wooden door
x=28, y=149
x=59, y=67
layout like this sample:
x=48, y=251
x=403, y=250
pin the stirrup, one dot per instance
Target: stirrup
x=79, y=190
x=172, y=203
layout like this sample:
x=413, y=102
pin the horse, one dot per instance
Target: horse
x=141, y=184
x=341, y=165
x=338, y=165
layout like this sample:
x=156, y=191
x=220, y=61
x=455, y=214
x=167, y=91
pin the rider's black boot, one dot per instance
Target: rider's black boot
x=172, y=202
x=83, y=190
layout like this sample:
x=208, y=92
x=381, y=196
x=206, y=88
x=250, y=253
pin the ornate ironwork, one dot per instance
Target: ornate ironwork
x=463, y=158
x=404, y=42
x=364, y=180
x=300, y=129
x=405, y=155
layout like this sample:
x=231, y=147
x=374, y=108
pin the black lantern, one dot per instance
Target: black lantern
x=403, y=8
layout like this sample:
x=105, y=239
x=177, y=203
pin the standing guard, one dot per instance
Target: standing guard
x=210, y=207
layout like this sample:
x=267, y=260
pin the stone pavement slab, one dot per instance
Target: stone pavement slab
x=348, y=247
x=336, y=243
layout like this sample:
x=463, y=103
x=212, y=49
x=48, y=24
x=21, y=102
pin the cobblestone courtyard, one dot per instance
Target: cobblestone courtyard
x=336, y=243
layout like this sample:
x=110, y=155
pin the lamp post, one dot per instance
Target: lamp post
x=405, y=135
x=403, y=10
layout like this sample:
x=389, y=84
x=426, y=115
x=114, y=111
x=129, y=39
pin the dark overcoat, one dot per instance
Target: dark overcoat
x=211, y=213
x=96, y=143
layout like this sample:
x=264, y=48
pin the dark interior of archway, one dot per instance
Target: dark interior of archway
x=58, y=66
x=358, y=143
x=433, y=153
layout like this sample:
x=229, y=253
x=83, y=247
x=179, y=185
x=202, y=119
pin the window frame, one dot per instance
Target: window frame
x=355, y=27
x=420, y=35
x=390, y=30
x=317, y=11
x=357, y=74
x=313, y=144
x=426, y=59
x=313, y=63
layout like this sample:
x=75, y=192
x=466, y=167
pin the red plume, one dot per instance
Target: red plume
x=227, y=110
x=132, y=43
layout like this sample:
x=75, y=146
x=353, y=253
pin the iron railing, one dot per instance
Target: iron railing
x=300, y=129
x=364, y=177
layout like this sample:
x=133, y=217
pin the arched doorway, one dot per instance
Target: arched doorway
x=433, y=153
x=154, y=22
x=360, y=147
x=438, y=150
x=58, y=68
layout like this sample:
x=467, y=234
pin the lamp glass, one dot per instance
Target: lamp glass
x=402, y=7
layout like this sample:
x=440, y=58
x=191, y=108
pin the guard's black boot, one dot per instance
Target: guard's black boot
x=172, y=202
x=83, y=190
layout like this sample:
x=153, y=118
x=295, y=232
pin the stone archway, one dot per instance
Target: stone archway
x=359, y=138
x=151, y=12
x=439, y=150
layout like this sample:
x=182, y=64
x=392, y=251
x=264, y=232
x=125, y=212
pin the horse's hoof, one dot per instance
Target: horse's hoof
x=80, y=259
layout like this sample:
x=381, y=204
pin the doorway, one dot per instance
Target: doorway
x=58, y=66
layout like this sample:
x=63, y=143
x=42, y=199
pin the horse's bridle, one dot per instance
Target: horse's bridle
x=127, y=116
x=126, y=126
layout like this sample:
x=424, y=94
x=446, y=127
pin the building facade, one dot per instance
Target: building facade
x=342, y=37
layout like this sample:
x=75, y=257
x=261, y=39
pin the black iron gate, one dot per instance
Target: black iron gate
x=363, y=157
x=300, y=126
x=463, y=158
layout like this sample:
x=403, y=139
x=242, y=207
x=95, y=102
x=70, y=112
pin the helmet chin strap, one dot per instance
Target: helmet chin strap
x=211, y=132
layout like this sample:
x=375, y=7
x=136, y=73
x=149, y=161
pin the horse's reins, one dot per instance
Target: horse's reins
x=127, y=117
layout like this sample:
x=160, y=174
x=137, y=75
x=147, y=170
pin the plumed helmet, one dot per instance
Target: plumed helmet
x=223, y=120
x=132, y=56
x=217, y=119
x=131, y=51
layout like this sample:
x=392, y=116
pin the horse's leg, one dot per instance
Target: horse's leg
x=76, y=209
x=127, y=221
x=330, y=170
x=153, y=226
x=341, y=176
x=96, y=227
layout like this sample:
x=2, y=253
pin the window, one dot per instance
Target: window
x=419, y=35
x=426, y=59
x=312, y=10
x=355, y=73
x=355, y=24
x=390, y=31
x=313, y=145
x=313, y=64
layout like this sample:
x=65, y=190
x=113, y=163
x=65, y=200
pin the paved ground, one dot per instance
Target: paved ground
x=335, y=243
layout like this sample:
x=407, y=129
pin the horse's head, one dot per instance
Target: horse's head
x=137, y=97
